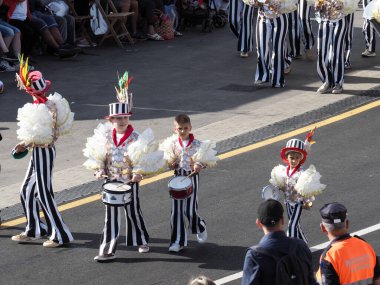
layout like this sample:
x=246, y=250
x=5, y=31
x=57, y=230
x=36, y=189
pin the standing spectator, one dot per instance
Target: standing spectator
x=347, y=259
x=261, y=261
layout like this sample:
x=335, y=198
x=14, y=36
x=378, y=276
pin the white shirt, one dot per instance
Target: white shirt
x=20, y=13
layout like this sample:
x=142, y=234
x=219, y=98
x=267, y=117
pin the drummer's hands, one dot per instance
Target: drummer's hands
x=20, y=147
x=99, y=174
x=136, y=178
x=197, y=167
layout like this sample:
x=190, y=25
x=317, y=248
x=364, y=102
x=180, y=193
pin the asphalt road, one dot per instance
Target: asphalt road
x=346, y=153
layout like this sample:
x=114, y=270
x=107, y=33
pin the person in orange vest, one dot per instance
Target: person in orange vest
x=347, y=259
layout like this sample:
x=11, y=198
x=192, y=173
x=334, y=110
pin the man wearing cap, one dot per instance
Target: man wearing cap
x=347, y=259
x=259, y=265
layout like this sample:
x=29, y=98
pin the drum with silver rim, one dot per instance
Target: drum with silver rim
x=116, y=193
x=180, y=187
x=270, y=192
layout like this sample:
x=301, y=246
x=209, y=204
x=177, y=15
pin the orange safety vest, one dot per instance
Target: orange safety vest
x=353, y=260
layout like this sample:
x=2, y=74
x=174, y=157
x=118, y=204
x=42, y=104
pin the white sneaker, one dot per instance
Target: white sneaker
x=202, y=237
x=368, y=53
x=244, y=54
x=175, y=247
x=143, y=248
x=287, y=70
x=23, y=238
x=324, y=88
x=52, y=244
x=104, y=257
x=337, y=89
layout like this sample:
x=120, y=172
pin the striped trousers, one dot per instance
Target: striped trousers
x=270, y=45
x=37, y=191
x=348, y=38
x=136, y=233
x=234, y=15
x=294, y=215
x=186, y=209
x=247, y=30
x=369, y=32
x=330, y=65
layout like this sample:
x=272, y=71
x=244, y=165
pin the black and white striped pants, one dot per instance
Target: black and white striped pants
x=348, y=38
x=186, y=208
x=270, y=45
x=247, y=29
x=294, y=211
x=136, y=233
x=234, y=15
x=330, y=65
x=369, y=32
x=37, y=191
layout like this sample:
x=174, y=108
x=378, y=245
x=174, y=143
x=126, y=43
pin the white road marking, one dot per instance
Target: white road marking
x=239, y=275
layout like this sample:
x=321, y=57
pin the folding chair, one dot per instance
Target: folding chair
x=116, y=23
x=80, y=21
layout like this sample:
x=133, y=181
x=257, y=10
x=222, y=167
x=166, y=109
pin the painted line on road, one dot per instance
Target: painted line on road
x=321, y=246
x=223, y=156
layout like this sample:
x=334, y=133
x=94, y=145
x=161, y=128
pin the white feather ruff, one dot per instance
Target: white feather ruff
x=65, y=117
x=278, y=176
x=96, y=147
x=35, y=124
x=144, y=154
x=167, y=146
x=206, y=154
x=308, y=184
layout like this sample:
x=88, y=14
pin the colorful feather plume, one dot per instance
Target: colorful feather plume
x=122, y=92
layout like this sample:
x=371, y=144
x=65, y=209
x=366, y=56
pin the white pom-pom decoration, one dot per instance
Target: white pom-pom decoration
x=206, y=154
x=278, y=176
x=308, y=184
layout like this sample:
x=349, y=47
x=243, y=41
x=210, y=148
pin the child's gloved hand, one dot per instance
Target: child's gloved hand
x=197, y=167
x=20, y=147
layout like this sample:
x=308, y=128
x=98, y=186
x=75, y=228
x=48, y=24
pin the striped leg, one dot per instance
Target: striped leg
x=234, y=16
x=34, y=226
x=305, y=24
x=43, y=164
x=246, y=35
x=196, y=223
x=177, y=223
x=294, y=34
x=137, y=233
x=324, y=42
x=263, y=35
x=111, y=230
x=294, y=227
x=348, y=38
x=280, y=28
x=369, y=32
x=337, y=57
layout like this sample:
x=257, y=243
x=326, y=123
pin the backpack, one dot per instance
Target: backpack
x=97, y=22
x=290, y=269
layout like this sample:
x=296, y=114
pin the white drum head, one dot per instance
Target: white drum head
x=270, y=192
x=180, y=182
x=116, y=186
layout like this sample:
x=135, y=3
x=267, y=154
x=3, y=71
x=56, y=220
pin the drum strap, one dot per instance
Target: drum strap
x=124, y=138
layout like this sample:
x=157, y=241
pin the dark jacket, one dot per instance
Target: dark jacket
x=260, y=269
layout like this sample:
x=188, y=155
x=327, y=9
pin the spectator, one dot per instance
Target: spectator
x=147, y=9
x=347, y=259
x=130, y=6
x=12, y=39
x=201, y=280
x=261, y=261
x=82, y=8
x=4, y=64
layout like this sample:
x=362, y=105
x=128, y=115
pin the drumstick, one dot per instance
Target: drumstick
x=188, y=176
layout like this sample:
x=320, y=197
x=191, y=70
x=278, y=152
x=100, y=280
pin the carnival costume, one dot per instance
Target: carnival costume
x=119, y=159
x=40, y=125
x=371, y=23
x=185, y=155
x=299, y=186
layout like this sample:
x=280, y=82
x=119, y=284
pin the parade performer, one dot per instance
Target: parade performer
x=331, y=34
x=371, y=24
x=187, y=156
x=118, y=153
x=298, y=185
x=40, y=124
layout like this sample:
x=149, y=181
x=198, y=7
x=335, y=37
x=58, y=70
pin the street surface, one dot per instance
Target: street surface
x=201, y=75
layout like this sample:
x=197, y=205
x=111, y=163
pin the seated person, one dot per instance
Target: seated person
x=4, y=64
x=12, y=39
x=146, y=8
x=130, y=6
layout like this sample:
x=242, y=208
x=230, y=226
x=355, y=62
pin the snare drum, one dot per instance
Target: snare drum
x=270, y=192
x=180, y=187
x=116, y=193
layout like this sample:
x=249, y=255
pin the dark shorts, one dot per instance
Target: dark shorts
x=43, y=21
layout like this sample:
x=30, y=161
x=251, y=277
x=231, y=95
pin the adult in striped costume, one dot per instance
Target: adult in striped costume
x=348, y=40
x=331, y=34
x=271, y=31
x=241, y=19
x=369, y=36
x=182, y=153
x=39, y=129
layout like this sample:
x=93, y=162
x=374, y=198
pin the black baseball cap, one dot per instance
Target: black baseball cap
x=270, y=212
x=333, y=213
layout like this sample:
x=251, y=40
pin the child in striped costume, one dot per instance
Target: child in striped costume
x=298, y=185
x=40, y=124
x=187, y=156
